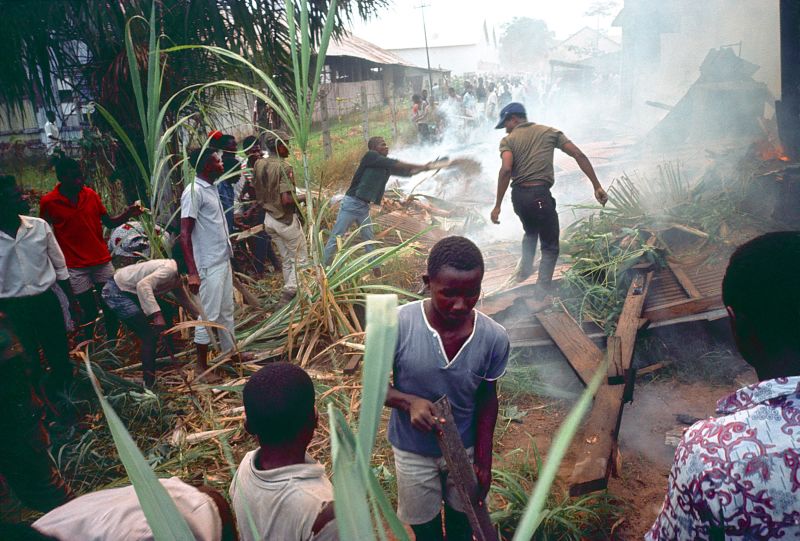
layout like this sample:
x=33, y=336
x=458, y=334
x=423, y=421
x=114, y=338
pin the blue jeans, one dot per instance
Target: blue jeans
x=351, y=211
x=120, y=302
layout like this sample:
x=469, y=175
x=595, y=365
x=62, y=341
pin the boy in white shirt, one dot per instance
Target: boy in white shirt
x=279, y=493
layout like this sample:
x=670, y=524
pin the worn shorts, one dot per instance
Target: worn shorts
x=422, y=484
x=119, y=301
x=83, y=279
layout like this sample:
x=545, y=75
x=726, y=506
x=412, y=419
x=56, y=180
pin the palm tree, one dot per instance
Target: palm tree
x=82, y=43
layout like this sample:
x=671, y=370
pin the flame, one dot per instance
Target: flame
x=772, y=150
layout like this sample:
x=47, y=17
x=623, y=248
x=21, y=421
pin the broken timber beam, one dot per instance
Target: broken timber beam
x=629, y=319
x=462, y=473
x=598, y=443
x=678, y=309
x=616, y=374
x=582, y=354
x=685, y=282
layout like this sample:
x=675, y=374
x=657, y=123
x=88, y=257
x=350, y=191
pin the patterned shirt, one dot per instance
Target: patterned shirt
x=738, y=476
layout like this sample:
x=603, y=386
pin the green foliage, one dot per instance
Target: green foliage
x=565, y=518
x=44, y=34
x=362, y=507
x=161, y=513
x=601, y=251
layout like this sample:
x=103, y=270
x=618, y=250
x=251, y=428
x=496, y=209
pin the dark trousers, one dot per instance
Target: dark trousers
x=38, y=322
x=261, y=246
x=536, y=209
x=25, y=463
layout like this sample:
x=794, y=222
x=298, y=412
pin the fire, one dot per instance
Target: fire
x=772, y=150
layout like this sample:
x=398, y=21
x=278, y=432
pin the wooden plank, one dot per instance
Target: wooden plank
x=628, y=324
x=616, y=374
x=582, y=354
x=462, y=473
x=684, y=281
x=682, y=308
x=352, y=365
x=598, y=442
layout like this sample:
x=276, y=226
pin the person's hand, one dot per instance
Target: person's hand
x=496, y=215
x=483, y=472
x=601, y=196
x=423, y=416
x=193, y=281
x=135, y=210
x=157, y=320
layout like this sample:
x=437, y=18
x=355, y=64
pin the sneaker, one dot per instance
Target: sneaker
x=287, y=296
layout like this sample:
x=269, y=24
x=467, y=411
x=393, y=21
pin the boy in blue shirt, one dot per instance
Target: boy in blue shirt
x=445, y=348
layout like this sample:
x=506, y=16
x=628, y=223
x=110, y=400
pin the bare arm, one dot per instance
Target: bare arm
x=486, y=410
x=503, y=180
x=187, y=226
x=586, y=166
x=287, y=200
x=115, y=221
x=410, y=168
x=423, y=416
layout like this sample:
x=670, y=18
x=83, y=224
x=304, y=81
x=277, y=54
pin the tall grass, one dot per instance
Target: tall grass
x=323, y=311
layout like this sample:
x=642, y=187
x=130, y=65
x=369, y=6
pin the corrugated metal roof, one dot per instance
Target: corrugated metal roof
x=350, y=45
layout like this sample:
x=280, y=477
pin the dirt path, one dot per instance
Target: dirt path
x=646, y=460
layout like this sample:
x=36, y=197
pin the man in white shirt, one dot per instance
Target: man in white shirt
x=52, y=136
x=204, y=238
x=31, y=263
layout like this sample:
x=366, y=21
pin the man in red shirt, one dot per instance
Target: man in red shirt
x=78, y=215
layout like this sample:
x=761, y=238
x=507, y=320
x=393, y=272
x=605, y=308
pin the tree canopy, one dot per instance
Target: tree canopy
x=81, y=42
x=524, y=42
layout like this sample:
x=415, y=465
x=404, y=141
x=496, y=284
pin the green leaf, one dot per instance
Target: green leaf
x=351, y=505
x=378, y=358
x=161, y=513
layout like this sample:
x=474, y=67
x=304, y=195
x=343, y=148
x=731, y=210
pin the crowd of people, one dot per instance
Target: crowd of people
x=734, y=477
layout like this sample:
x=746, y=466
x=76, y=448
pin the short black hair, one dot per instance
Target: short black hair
x=279, y=403
x=248, y=142
x=373, y=142
x=760, y=285
x=66, y=165
x=225, y=139
x=199, y=156
x=456, y=252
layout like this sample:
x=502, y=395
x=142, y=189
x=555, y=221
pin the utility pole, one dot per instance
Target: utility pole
x=427, y=54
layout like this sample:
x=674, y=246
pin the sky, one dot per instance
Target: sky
x=457, y=22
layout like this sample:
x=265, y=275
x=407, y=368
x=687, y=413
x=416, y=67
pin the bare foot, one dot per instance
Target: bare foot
x=210, y=377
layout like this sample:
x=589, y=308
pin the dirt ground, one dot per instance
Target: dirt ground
x=646, y=460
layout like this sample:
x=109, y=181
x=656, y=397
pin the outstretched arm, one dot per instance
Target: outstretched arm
x=409, y=168
x=586, y=166
x=503, y=180
x=115, y=221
